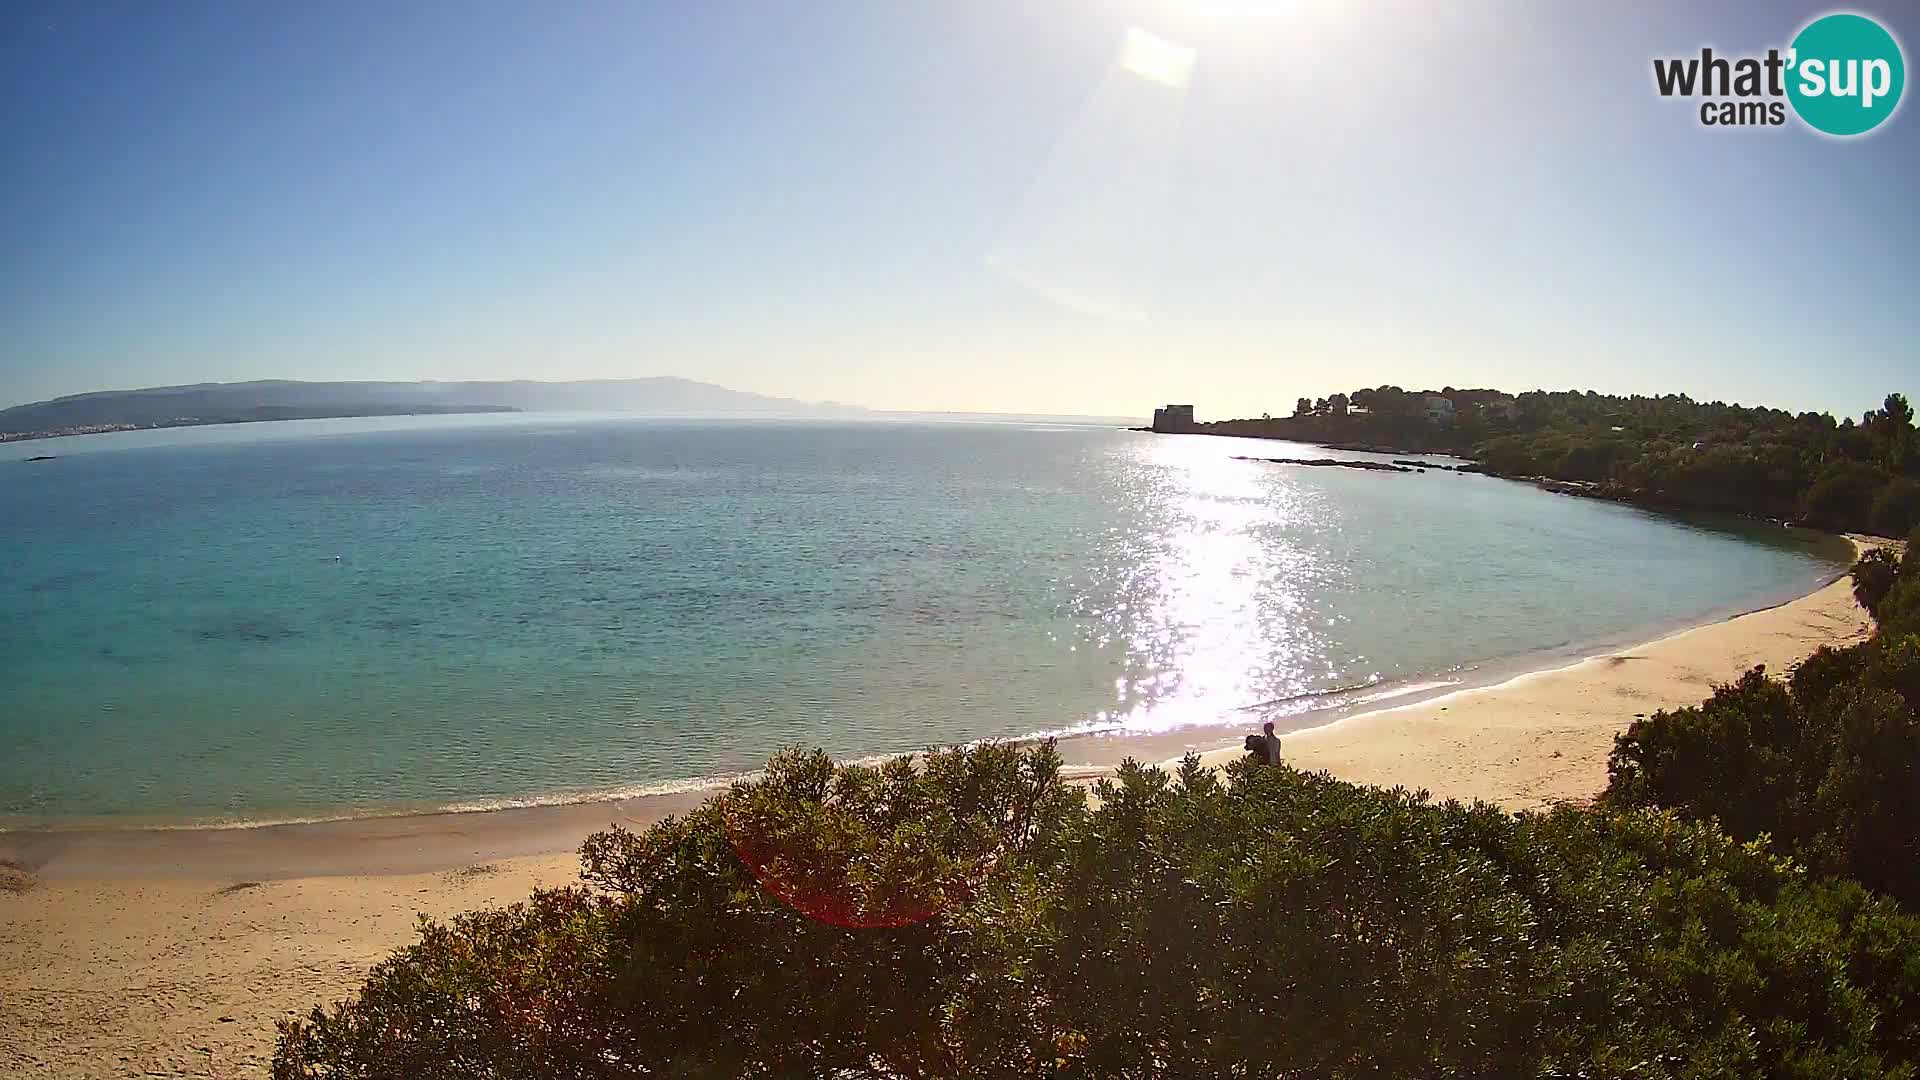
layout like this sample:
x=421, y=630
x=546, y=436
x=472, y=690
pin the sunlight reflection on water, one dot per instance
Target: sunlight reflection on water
x=1206, y=589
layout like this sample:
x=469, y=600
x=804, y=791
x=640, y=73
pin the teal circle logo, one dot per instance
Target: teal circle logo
x=1845, y=74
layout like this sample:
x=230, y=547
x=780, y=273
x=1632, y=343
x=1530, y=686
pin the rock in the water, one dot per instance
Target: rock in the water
x=1371, y=466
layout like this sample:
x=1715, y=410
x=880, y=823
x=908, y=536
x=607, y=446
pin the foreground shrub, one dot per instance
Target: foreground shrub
x=1899, y=610
x=1874, y=576
x=1826, y=763
x=976, y=917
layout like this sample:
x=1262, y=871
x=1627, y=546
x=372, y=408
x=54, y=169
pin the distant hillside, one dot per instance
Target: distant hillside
x=217, y=403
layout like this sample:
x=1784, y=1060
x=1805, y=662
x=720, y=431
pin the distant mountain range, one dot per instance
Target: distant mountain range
x=278, y=399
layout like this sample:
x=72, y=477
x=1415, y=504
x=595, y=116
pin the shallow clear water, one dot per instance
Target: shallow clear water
x=339, y=617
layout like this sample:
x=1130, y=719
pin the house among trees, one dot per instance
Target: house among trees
x=1439, y=407
x=1486, y=404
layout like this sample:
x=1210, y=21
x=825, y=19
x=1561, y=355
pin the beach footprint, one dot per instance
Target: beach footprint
x=469, y=873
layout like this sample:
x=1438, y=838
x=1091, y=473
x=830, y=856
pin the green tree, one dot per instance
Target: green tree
x=1898, y=413
x=1842, y=496
x=1896, y=508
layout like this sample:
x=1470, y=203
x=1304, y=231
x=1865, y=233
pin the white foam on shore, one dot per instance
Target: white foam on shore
x=466, y=806
x=1568, y=663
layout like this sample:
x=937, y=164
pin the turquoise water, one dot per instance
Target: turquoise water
x=324, y=618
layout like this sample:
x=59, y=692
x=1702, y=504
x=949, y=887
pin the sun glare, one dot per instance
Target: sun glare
x=1251, y=9
x=1156, y=59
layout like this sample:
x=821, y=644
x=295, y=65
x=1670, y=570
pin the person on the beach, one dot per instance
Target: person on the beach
x=1269, y=744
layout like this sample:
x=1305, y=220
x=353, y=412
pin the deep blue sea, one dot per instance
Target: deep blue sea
x=276, y=621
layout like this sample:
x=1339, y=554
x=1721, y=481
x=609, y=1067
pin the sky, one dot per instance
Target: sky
x=1065, y=206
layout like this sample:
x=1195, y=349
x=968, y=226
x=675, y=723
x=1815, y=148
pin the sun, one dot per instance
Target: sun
x=1156, y=59
x=1252, y=9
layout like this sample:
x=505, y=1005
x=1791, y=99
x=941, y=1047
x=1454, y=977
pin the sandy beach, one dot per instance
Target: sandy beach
x=172, y=953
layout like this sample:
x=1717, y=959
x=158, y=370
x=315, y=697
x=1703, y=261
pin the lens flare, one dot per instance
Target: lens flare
x=843, y=858
x=1087, y=235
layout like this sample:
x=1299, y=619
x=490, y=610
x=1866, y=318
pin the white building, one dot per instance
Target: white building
x=1439, y=407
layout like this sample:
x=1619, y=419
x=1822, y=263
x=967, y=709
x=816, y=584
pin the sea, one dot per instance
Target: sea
x=320, y=619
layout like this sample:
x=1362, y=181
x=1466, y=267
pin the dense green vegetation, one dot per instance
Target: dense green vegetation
x=1826, y=762
x=976, y=917
x=1668, y=451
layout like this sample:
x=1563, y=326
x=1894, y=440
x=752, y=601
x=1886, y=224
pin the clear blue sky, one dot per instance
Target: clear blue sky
x=966, y=205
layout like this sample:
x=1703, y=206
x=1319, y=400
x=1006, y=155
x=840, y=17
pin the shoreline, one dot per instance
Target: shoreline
x=423, y=840
x=1543, y=737
x=150, y=952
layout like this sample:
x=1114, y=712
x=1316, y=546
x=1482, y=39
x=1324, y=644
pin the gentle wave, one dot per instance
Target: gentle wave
x=483, y=805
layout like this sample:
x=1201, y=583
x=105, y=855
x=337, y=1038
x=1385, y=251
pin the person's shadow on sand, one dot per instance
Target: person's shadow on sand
x=21, y=858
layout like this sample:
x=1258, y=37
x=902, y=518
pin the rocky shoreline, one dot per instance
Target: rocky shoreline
x=1586, y=489
x=1340, y=463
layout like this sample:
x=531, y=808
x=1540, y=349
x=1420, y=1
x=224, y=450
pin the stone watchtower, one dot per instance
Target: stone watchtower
x=1173, y=418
